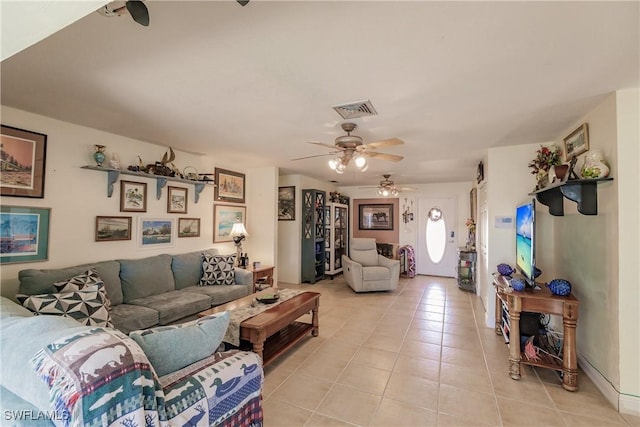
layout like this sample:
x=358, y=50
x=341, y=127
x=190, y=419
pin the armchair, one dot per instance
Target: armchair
x=365, y=270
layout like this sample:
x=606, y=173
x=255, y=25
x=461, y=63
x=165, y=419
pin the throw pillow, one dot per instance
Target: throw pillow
x=88, y=305
x=218, y=269
x=81, y=281
x=170, y=348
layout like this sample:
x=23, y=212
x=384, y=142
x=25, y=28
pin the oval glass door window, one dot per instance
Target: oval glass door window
x=436, y=236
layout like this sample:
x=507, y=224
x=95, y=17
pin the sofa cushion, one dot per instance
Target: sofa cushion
x=127, y=317
x=221, y=294
x=34, y=281
x=187, y=268
x=375, y=273
x=88, y=305
x=195, y=340
x=218, y=269
x=146, y=276
x=174, y=305
x=363, y=251
x=81, y=281
x=9, y=308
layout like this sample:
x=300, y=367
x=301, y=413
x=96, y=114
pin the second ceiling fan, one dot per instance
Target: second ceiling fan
x=388, y=188
x=350, y=147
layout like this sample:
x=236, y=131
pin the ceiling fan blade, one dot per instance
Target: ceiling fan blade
x=383, y=156
x=407, y=189
x=138, y=12
x=332, y=146
x=382, y=143
x=317, y=155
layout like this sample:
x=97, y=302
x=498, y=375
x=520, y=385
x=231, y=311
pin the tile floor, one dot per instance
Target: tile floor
x=419, y=356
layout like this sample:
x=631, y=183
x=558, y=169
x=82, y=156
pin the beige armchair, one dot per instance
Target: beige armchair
x=366, y=271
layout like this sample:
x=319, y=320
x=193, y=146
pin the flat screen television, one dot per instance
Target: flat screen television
x=525, y=241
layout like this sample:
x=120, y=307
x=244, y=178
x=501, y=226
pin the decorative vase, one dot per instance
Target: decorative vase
x=471, y=240
x=99, y=155
x=594, y=166
x=558, y=172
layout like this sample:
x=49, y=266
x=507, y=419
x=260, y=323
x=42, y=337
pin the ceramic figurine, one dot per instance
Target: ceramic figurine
x=99, y=156
x=594, y=166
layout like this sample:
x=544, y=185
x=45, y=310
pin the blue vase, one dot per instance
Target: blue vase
x=99, y=156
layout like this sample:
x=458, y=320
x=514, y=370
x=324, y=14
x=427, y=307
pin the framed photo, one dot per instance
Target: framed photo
x=188, y=227
x=224, y=216
x=133, y=196
x=229, y=186
x=155, y=233
x=177, y=200
x=577, y=142
x=286, y=203
x=376, y=217
x=480, y=173
x=25, y=234
x=111, y=228
x=23, y=162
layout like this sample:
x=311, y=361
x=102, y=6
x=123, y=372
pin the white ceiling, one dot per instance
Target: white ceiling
x=257, y=82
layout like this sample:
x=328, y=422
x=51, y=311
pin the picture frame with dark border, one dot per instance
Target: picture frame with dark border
x=287, y=203
x=480, y=172
x=188, y=227
x=133, y=196
x=113, y=228
x=230, y=186
x=23, y=162
x=25, y=234
x=224, y=216
x=375, y=216
x=177, y=199
x=577, y=142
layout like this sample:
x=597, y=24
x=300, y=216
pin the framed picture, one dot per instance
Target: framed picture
x=155, y=233
x=376, y=217
x=110, y=228
x=229, y=186
x=177, y=200
x=286, y=203
x=133, y=196
x=25, y=234
x=480, y=173
x=577, y=142
x=473, y=202
x=188, y=227
x=23, y=162
x=224, y=216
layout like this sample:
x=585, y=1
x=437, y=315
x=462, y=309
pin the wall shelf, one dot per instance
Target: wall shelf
x=161, y=181
x=582, y=191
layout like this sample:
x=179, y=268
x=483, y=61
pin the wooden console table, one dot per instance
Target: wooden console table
x=539, y=301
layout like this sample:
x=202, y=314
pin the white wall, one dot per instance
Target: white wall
x=262, y=196
x=76, y=196
x=290, y=232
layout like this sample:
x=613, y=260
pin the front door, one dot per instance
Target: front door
x=437, y=242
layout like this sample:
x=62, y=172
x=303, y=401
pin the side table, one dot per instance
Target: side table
x=262, y=274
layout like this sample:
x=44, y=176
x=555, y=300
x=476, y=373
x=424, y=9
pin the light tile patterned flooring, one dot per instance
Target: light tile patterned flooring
x=419, y=356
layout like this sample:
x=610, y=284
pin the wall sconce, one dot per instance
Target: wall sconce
x=407, y=211
x=238, y=233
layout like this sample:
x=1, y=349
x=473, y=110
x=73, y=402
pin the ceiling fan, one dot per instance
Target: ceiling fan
x=136, y=9
x=388, y=188
x=350, y=147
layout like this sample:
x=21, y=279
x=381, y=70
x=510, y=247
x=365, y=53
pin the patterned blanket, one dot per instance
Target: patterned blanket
x=245, y=312
x=102, y=378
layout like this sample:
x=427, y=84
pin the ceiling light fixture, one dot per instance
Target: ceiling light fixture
x=340, y=163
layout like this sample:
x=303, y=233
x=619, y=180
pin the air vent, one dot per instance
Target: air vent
x=356, y=109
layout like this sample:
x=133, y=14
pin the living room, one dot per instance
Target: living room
x=599, y=254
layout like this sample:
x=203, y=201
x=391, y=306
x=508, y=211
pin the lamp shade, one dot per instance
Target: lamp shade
x=238, y=230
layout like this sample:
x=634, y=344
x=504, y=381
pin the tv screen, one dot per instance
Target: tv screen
x=525, y=241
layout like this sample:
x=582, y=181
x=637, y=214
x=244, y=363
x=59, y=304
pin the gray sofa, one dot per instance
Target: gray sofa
x=146, y=292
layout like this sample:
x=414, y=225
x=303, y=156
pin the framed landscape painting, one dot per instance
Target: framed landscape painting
x=177, y=200
x=23, y=161
x=224, y=216
x=376, y=217
x=286, y=203
x=155, y=233
x=577, y=142
x=24, y=234
x=188, y=227
x=110, y=228
x=229, y=186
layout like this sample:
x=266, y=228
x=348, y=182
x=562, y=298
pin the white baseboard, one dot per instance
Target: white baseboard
x=623, y=403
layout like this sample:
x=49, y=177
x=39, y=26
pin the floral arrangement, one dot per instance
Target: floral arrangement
x=545, y=158
x=471, y=224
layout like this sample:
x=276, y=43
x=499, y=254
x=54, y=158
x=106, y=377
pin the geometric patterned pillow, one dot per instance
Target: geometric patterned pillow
x=87, y=306
x=80, y=282
x=217, y=269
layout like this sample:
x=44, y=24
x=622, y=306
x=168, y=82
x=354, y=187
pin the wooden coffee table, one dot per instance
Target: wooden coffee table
x=276, y=329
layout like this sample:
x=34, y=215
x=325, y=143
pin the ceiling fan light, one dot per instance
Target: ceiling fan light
x=360, y=162
x=394, y=192
x=340, y=167
x=385, y=192
x=333, y=164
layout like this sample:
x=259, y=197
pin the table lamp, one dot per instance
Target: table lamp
x=238, y=233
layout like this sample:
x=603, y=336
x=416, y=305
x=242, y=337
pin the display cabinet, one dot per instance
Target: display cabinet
x=466, y=269
x=336, y=237
x=313, y=235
